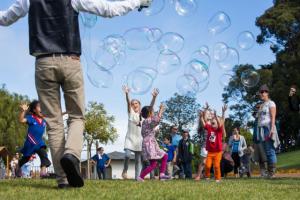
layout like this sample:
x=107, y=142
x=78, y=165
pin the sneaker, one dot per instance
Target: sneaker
x=164, y=177
x=70, y=165
x=124, y=175
x=197, y=178
x=139, y=179
x=63, y=186
x=218, y=181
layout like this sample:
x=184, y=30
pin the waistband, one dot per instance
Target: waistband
x=76, y=56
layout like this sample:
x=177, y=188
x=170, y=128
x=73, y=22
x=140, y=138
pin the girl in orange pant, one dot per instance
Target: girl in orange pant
x=213, y=145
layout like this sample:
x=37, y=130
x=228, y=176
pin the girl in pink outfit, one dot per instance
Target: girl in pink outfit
x=150, y=147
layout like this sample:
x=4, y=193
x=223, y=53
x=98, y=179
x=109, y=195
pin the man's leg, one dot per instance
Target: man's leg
x=73, y=88
x=104, y=173
x=47, y=81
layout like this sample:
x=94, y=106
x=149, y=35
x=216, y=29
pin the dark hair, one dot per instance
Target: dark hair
x=168, y=137
x=100, y=148
x=146, y=110
x=32, y=106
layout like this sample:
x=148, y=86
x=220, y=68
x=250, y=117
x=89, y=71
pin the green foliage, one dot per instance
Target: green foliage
x=12, y=133
x=98, y=126
x=181, y=111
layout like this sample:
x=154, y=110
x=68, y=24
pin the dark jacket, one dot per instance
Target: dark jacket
x=294, y=103
x=184, y=154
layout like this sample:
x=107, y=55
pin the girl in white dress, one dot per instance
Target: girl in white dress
x=133, y=139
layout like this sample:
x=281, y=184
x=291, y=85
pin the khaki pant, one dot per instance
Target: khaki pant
x=51, y=75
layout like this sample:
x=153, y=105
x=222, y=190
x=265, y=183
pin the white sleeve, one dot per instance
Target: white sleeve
x=272, y=104
x=16, y=11
x=106, y=8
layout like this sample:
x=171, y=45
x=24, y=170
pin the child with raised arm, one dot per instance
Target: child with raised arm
x=213, y=145
x=34, y=140
x=133, y=139
x=151, y=150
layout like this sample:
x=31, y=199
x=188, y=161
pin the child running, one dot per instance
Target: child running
x=213, y=145
x=150, y=147
x=34, y=140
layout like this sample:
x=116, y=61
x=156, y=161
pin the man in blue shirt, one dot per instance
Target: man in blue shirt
x=102, y=161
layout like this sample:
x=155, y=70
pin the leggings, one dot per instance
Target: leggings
x=138, y=161
x=237, y=162
x=153, y=164
x=45, y=162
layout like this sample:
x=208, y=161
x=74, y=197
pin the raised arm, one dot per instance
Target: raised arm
x=161, y=110
x=202, y=118
x=107, y=8
x=23, y=109
x=155, y=92
x=16, y=11
x=126, y=91
x=224, y=109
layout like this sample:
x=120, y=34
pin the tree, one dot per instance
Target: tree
x=98, y=128
x=12, y=133
x=181, y=111
x=280, y=27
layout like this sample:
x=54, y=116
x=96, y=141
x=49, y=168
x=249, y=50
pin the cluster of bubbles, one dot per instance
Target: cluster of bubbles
x=112, y=51
x=196, y=76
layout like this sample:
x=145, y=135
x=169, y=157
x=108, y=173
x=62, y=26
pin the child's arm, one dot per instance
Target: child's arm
x=126, y=91
x=24, y=108
x=161, y=110
x=108, y=163
x=175, y=156
x=202, y=119
x=155, y=92
x=224, y=108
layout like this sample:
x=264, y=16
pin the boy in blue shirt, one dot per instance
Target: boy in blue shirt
x=102, y=161
x=171, y=150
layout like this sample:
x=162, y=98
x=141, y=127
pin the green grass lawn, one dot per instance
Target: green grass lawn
x=290, y=160
x=287, y=188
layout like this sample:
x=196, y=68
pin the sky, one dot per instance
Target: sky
x=17, y=66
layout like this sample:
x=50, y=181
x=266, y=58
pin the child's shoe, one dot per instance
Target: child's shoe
x=197, y=178
x=164, y=177
x=218, y=181
x=139, y=179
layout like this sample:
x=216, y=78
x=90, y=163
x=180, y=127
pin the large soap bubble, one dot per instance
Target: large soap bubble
x=202, y=56
x=246, y=40
x=250, y=78
x=150, y=71
x=218, y=23
x=98, y=77
x=139, y=82
x=120, y=57
x=198, y=69
x=204, y=48
x=114, y=43
x=225, y=79
x=232, y=59
x=88, y=20
x=138, y=38
x=187, y=85
x=203, y=85
x=220, y=51
x=155, y=34
x=171, y=41
x=156, y=7
x=104, y=59
x=186, y=7
x=167, y=62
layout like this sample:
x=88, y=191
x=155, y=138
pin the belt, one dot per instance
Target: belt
x=75, y=56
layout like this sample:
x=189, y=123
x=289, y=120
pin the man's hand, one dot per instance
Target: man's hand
x=145, y=4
